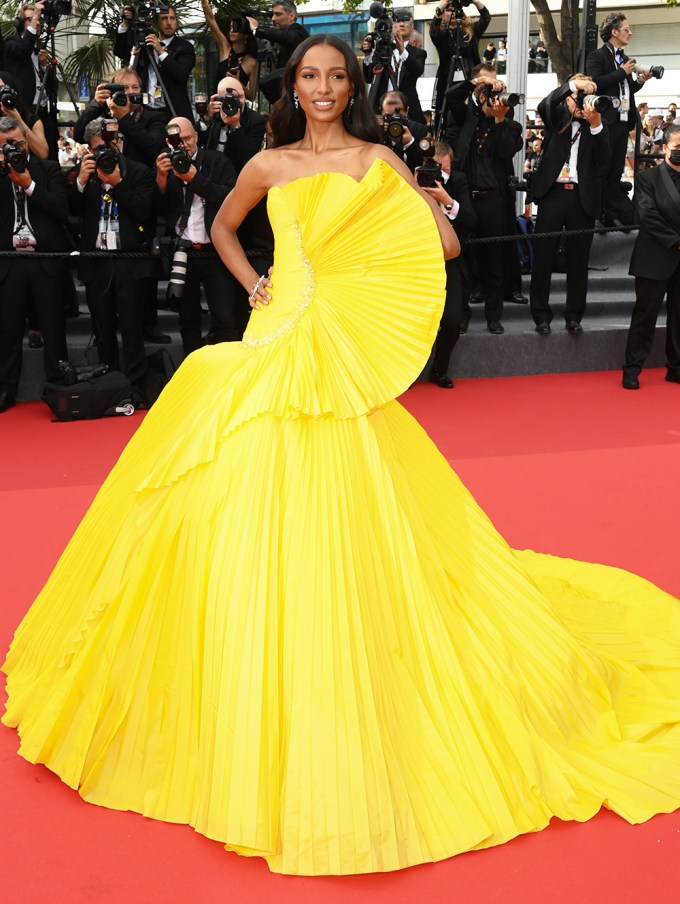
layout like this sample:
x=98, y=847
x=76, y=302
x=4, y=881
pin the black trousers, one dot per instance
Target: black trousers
x=560, y=208
x=116, y=301
x=28, y=282
x=493, y=218
x=449, y=326
x=649, y=295
x=219, y=292
x=618, y=144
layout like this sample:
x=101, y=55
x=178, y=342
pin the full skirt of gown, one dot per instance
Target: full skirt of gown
x=285, y=622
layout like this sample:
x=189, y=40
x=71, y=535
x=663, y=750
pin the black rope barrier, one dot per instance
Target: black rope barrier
x=145, y=255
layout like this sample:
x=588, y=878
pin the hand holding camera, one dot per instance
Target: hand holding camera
x=14, y=164
x=591, y=112
x=87, y=167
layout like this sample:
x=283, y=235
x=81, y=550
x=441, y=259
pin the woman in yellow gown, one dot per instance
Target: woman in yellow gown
x=285, y=622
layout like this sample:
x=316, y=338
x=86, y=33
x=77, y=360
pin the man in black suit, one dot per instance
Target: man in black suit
x=485, y=138
x=33, y=216
x=27, y=64
x=175, y=59
x=655, y=263
x=240, y=135
x=453, y=196
x=288, y=34
x=190, y=202
x=115, y=209
x=567, y=186
x=407, y=146
x=141, y=128
x=406, y=66
x=612, y=71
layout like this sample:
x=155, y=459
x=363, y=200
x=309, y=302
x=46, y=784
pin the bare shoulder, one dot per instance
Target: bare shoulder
x=259, y=172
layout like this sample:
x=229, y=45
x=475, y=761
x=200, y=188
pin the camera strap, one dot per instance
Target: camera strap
x=22, y=237
x=109, y=227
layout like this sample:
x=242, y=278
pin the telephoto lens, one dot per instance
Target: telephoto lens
x=178, y=273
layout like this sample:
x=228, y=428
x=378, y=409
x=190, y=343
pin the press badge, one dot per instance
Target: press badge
x=23, y=240
x=623, y=109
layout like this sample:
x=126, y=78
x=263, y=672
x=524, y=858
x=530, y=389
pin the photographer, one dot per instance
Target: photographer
x=455, y=34
x=192, y=184
x=612, y=71
x=114, y=198
x=402, y=134
x=567, y=188
x=406, y=65
x=655, y=264
x=287, y=33
x=485, y=139
x=174, y=56
x=11, y=104
x=453, y=196
x=33, y=217
x=231, y=127
x=142, y=129
x=27, y=64
x=237, y=53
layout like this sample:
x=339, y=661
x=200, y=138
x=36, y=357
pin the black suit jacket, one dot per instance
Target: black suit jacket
x=505, y=138
x=143, y=138
x=47, y=210
x=134, y=195
x=287, y=38
x=601, y=67
x=242, y=144
x=593, y=153
x=19, y=50
x=656, y=253
x=214, y=180
x=175, y=70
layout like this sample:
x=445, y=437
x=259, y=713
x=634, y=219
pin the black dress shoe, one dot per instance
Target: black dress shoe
x=543, y=328
x=630, y=382
x=495, y=327
x=517, y=298
x=477, y=298
x=573, y=326
x=34, y=340
x=463, y=329
x=672, y=377
x=441, y=379
x=6, y=401
x=154, y=335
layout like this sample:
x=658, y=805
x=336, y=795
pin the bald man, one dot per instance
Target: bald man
x=190, y=200
x=240, y=134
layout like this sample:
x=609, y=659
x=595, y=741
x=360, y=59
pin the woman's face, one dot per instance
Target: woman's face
x=322, y=83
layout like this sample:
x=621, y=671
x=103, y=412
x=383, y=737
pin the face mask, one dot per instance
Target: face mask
x=675, y=157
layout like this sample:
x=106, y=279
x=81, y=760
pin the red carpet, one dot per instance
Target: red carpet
x=568, y=464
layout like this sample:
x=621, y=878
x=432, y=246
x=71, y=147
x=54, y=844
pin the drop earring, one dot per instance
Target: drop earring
x=351, y=102
x=296, y=100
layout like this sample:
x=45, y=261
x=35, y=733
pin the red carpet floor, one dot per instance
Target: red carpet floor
x=568, y=464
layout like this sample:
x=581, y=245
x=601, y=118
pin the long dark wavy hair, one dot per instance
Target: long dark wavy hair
x=288, y=124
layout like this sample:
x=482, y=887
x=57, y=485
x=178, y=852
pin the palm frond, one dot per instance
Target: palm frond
x=94, y=60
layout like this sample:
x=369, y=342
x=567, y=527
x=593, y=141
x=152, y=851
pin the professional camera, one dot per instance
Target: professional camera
x=8, y=97
x=602, y=103
x=54, y=10
x=231, y=102
x=106, y=156
x=180, y=159
x=120, y=98
x=654, y=71
x=71, y=375
x=455, y=6
x=507, y=98
x=12, y=157
x=394, y=125
x=142, y=21
x=178, y=271
x=430, y=172
x=382, y=35
x=515, y=183
x=239, y=21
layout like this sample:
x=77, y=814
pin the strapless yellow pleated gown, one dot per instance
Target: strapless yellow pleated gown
x=285, y=622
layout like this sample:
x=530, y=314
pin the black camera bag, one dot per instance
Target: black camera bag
x=103, y=396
